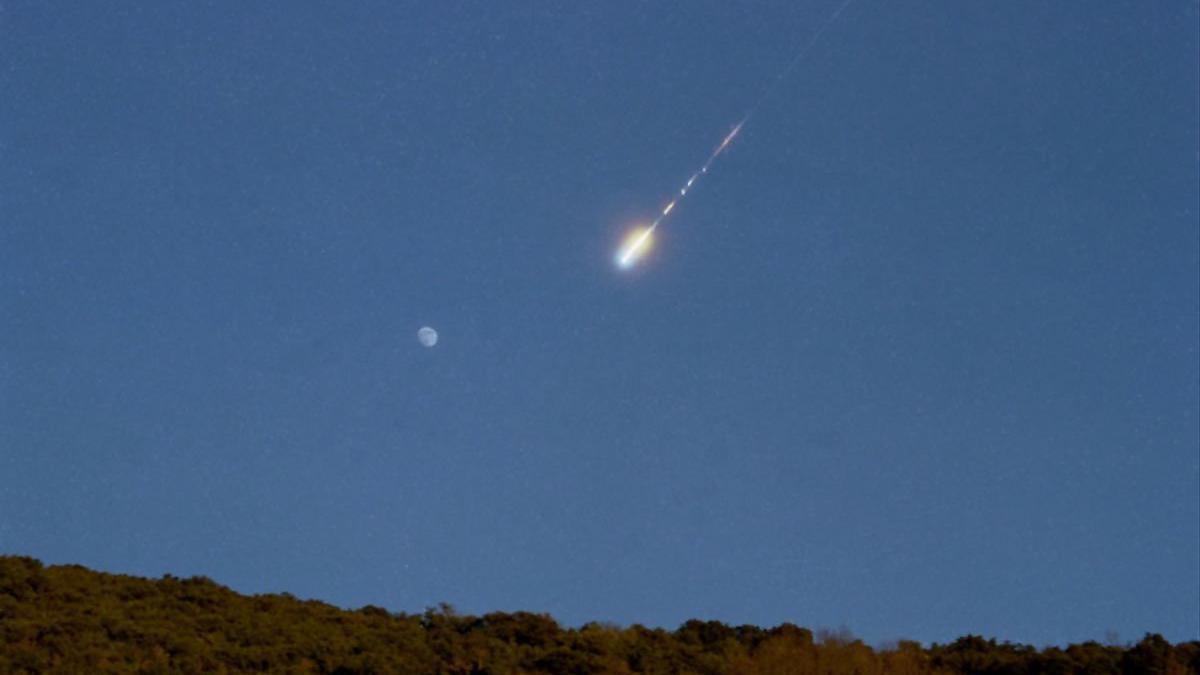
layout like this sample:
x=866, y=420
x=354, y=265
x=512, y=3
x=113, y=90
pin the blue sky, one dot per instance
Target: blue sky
x=917, y=357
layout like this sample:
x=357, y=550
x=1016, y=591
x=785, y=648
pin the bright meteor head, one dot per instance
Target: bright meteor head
x=637, y=243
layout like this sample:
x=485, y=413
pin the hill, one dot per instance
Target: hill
x=70, y=619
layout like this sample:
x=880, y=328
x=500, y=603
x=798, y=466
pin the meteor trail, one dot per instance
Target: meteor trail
x=635, y=246
x=637, y=242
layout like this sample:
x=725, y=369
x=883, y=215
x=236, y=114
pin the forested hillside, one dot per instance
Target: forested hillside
x=70, y=619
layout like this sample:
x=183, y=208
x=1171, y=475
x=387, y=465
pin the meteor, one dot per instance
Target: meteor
x=637, y=242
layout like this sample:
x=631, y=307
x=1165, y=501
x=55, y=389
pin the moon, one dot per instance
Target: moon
x=427, y=336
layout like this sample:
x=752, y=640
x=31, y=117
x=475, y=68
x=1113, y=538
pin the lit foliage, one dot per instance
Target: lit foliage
x=71, y=620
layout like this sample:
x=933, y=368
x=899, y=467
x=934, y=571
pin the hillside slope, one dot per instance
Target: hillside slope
x=72, y=620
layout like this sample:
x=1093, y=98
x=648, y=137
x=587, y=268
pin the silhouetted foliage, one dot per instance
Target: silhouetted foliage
x=67, y=619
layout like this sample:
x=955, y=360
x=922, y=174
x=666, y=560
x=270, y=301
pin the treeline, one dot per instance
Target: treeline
x=68, y=619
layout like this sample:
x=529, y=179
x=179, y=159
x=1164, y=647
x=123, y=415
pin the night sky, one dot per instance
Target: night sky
x=917, y=357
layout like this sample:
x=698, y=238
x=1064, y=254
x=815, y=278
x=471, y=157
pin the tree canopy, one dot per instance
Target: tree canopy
x=70, y=619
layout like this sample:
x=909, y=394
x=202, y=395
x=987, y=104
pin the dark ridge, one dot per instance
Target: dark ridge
x=68, y=619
